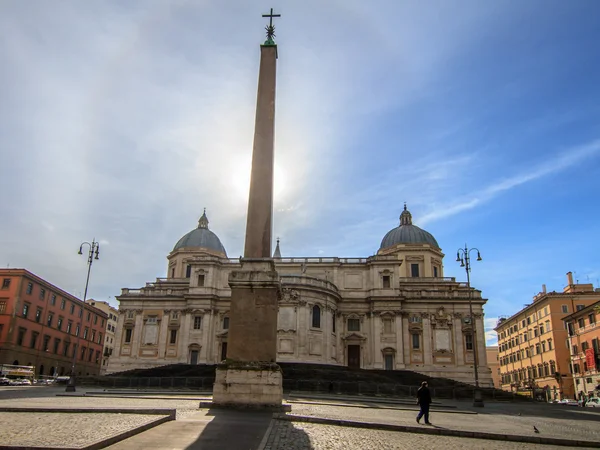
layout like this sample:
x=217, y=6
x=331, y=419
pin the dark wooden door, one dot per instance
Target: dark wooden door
x=223, y=351
x=354, y=356
x=194, y=357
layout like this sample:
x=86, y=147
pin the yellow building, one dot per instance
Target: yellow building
x=533, y=344
x=494, y=364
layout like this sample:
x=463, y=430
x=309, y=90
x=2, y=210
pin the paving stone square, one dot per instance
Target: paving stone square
x=60, y=430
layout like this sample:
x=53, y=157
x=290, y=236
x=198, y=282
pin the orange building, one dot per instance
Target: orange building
x=46, y=327
x=533, y=347
x=584, y=342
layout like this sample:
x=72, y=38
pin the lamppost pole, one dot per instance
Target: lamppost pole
x=463, y=256
x=94, y=248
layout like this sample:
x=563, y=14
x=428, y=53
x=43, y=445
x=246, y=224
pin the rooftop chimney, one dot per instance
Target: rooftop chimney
x=543, y=288
x=570, y=278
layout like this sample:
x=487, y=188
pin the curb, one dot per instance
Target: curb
x=398, y=408
x=138, y=396
x=265, y=439
x=101, y=443
x=159, y=412
x=438, y=431
x=283, y=408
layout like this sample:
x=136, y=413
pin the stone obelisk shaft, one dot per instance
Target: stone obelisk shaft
x=260, y=204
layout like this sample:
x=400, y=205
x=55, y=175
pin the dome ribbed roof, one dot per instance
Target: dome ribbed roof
x=201, y=237
x=407, y=233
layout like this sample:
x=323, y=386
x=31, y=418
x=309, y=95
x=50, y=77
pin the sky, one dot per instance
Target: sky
x=121, y=121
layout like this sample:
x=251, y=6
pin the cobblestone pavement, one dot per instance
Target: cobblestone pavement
x=65, y=429
x=307, y=436
x=584, y=427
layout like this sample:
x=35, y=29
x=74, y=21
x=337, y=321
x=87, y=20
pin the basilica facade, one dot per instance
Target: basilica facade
x=393, y=310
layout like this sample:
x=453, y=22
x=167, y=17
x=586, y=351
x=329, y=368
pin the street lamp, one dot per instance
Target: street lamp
x=94, y=249
x=463, y=256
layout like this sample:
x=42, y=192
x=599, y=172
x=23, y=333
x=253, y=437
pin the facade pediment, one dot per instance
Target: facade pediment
x=354, y=336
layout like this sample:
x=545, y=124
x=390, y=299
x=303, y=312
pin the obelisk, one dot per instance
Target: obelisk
x=250, y=376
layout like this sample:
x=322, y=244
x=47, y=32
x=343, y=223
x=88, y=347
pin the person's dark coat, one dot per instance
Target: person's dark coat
x=423, y=396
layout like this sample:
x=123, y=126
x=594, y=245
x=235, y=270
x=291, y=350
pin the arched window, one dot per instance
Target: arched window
x=316, y=317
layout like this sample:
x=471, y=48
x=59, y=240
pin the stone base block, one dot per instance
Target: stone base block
x=248, y=385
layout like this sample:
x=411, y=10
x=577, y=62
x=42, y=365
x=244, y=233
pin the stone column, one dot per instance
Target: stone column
x=377, y=356
x=184, y=336
x=138, y=330
x=427, y=344
x=459, y=346
x=163, y=335
x=406, y=341
x=208, y=337
x=400, y=352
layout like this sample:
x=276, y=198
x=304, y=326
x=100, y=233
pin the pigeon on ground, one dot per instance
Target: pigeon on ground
x=535, y=429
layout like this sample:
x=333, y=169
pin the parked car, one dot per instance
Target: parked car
x=569, y=402
x=4, y=381
x=593, y=402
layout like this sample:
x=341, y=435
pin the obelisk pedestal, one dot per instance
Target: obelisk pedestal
x=250, y=376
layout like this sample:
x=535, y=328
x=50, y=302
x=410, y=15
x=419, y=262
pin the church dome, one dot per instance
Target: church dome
x=407, y=233
x=201, y=238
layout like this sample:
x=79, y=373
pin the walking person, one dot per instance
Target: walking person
x=423, y=400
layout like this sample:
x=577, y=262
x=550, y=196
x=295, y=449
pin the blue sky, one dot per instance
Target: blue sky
x=122, y=120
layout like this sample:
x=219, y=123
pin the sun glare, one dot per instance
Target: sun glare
x=240, y=180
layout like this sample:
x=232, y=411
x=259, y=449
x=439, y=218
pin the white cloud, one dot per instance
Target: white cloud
x=491, y=337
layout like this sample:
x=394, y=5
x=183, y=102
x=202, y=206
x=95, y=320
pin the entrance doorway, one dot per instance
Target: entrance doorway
x=194, y=357
x=354, y=356
x=223, y=351
x=388, y=360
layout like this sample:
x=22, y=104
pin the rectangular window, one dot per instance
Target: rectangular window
x=584, y=346
x=541, y=329
x=21, y=336
x=581, y=323
x=95, y=320
x=535, y=332
x=197, y=322
x=333, y=322
x=88, y=316
x=42, y=293
x=38, y=315
x=592, y=318
x=69, y=325
x=188, y=271
x=66, y=348
x=387, y=326
x=25, y=309
x=173, y=337
x=99, y=338
x=34, y=337
x=543, y=346
x=537, y=349
x=90, y=355
x=29, y=288
x=46, y=346
x=386, y=282
x=63, y=303
x=416, y=341
x=565, y=309
x=580, y=307
x=546, y=311
x=72, y=308
x=83, y=349
x=80, y=313
x=6, y=283
x=469, y=341
x=49, y=321
x=53, y=300
x=77, y=330
x=85, y=332
x=529, y=321
x=59, y=323
x=435, y=271
x=128, y=333
x=353, y=324
x=201, y=280
x=56, y=344
x=225, y=323
x=93, y=338
x=414, y=270
x=574, y=350
x=2, y=307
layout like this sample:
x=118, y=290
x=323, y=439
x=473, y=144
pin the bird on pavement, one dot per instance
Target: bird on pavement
x=535, y=429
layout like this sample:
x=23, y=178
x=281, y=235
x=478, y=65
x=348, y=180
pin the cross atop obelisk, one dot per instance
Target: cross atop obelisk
x=270, y=29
